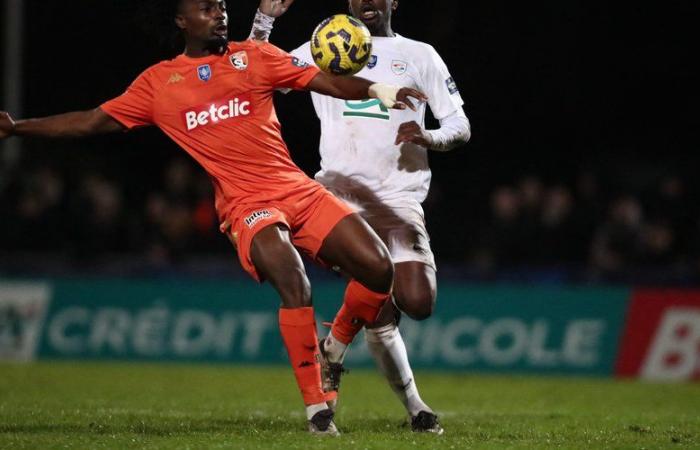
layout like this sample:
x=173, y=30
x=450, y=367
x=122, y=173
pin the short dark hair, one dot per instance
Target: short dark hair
x=157, y=19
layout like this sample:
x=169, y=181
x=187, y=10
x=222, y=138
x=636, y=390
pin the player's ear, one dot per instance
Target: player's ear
x=394, y=4
x=179, y=16
x=180, y=22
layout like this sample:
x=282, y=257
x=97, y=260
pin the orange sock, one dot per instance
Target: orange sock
x=298, y=328
x=360, y=306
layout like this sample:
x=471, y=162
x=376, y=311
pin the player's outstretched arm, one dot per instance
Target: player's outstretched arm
x=72, y=124
x=265, y=16
x=356, y=88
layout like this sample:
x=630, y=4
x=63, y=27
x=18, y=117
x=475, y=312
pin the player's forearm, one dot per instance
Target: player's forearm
x=343, y=87
x=454, y=131
x=72, y=124
x=262, y=26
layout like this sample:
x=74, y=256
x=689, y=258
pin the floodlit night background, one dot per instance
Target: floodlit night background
x=581, y=166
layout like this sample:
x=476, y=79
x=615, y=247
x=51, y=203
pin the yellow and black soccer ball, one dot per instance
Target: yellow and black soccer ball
x=341, y=45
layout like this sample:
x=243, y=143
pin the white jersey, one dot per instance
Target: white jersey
x=357, y=136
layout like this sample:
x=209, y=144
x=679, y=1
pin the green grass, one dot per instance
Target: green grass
x=135, y=406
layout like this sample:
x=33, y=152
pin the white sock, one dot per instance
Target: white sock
x=311, y=410
x=389, y=351
x=335, y=350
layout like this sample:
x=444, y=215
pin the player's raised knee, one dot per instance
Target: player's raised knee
x=381, y=272
x=416, y=306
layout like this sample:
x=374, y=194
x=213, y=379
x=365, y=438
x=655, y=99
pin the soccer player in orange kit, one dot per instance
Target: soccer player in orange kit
x=215, y=101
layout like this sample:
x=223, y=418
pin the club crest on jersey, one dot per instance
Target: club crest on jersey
x=372, y=62
x=239, y=60
x=299, y=63
x=256, y=217
x=399, y=67
x=204, y=72
x=451, y=85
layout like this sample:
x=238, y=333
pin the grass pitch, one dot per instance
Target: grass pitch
x=138, y=406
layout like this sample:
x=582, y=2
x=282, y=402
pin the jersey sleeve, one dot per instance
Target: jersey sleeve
x=283, y=70
x=303, y=52
x=134, y=108
x=437, y=83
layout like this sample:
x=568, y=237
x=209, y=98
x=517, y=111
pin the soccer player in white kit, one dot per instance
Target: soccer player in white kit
x=376, y=160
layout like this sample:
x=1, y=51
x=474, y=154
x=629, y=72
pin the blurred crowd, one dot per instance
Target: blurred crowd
x=649, y=232
x=526, y=224
x=95, y=216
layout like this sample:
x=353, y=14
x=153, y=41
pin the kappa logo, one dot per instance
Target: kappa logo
x=256, y=217
x=216, y=112
x=204, y=72
x=451, y=86
x=239, y=60
x=175, y=78
x=399, y=67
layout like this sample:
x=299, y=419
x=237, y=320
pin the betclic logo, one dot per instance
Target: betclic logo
x=218, y=111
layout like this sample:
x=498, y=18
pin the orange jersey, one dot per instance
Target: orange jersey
x=219, y=109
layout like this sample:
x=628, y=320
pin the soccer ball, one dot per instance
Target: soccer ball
x=341, y=45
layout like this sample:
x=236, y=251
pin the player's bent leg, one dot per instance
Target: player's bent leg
x=415, y=289
x=276, y=260
x=356, y=249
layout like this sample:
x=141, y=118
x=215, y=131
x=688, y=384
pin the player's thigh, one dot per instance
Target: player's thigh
x=276, y=260
x=415, y=288
x=357, y=250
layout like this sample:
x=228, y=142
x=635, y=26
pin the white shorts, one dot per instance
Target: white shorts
x=400, y=225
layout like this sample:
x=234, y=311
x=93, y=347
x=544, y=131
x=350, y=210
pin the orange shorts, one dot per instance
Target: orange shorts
x=309, y=215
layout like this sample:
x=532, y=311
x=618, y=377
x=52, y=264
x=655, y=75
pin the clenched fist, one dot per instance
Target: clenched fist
x=413, y=133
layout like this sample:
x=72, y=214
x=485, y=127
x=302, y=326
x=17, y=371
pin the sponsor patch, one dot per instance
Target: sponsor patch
x=239, y=60
x=256, y=217
x=451, y=85
x=399, y=67
x=371, y=109
x=217, y=111
x=372, y=62
x=204, y=72
x=299, y=63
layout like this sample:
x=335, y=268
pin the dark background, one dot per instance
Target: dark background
x=553, y=90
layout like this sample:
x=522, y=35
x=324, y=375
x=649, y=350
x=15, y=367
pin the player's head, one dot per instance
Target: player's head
x=203, y=22
x=375, y=14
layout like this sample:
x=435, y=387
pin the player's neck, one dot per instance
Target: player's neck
x=201, y=50
x=384, y=31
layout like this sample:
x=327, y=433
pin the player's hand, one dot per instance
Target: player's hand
x=274, y=8
x=403, y=100
x=7, y=125
x=413, y=133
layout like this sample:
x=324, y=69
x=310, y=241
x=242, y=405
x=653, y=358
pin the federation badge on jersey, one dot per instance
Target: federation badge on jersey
x=204, y=72
x=299, y=63
x=239, y=60
x=451, y=85
x=399, y=67
x=372, y=62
